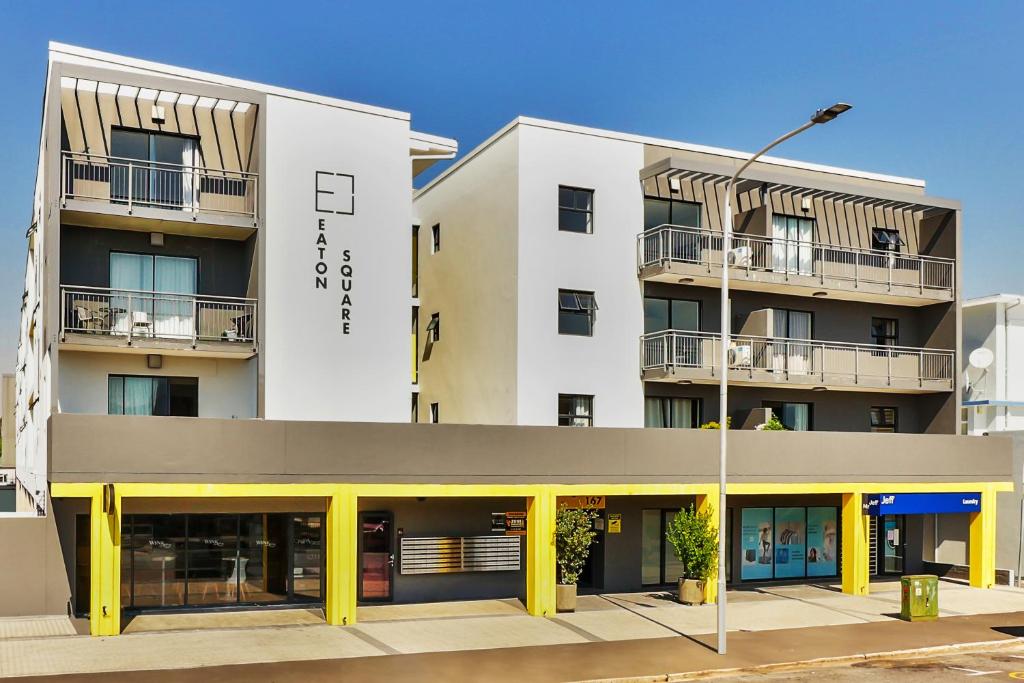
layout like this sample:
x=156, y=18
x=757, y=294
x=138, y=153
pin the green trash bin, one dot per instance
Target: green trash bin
x=919, y=597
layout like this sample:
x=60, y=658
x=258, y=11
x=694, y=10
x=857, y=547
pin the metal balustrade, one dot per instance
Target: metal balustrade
x=766, y=358
x=790, y=258
x=134, y=183
x=133, y=314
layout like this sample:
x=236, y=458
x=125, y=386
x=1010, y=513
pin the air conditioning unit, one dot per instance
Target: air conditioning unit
x=739, y=355
x=740, y=257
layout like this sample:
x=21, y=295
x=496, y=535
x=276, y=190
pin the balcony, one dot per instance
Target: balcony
x=685, y=357
x=672, y=253
x=163, y=191
x=102, y=319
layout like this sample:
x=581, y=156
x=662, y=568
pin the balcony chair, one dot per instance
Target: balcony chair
x=141, y=321
x=89, y=319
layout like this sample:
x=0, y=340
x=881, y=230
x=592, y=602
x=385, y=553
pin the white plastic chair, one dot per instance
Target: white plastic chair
x=140, y=321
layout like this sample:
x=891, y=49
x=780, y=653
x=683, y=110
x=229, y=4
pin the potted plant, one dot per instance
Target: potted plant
x=574, y=533
x=772, y=425
x=695, y=541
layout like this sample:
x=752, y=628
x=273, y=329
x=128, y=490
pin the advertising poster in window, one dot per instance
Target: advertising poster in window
x=757, y=541
x=821, y=541
x=790, y=542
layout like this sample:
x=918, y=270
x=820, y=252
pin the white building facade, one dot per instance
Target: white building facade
x=994, y=376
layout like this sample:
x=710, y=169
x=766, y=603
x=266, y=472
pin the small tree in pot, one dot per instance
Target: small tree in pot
x=574, y=534
x=695, y=541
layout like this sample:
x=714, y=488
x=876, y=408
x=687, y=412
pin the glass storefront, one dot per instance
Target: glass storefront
x=209, y=560
x=788, y=542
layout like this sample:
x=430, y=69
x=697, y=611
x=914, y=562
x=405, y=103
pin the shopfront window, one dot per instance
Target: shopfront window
x=788, y=542
x=659, y=564
x=221, y=559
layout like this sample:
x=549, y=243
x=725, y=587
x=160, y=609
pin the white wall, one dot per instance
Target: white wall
x=999, y=327
x=605, y=365
x=227, y=388
x=313, y=371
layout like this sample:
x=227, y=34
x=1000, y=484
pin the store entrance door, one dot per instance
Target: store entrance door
x=891, y=544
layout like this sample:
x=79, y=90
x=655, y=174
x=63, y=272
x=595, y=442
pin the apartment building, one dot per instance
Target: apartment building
x=215, y=405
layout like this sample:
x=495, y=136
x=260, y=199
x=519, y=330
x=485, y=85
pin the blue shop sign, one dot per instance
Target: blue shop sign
x=877, y=504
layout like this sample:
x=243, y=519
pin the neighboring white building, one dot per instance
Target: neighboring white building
x=994, y=382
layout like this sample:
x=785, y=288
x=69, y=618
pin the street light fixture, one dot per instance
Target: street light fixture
x=820, y=116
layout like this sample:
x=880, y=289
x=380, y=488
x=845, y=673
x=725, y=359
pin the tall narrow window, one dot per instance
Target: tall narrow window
x=885, y=331
x=884, y=419
x=434, y=327
x=575, y=410
x=415, y=260
x=435, y=238
x=435, y=413
x=576, y=312
x=575, y=209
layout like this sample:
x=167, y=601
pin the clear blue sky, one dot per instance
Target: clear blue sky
x=936, y=85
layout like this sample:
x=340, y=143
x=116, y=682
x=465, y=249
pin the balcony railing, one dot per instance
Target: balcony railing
x=790, y=259
x=138, y=315
x=774, y=359
x=134, y=183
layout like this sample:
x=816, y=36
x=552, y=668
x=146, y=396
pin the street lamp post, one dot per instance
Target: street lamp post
x=820, y=116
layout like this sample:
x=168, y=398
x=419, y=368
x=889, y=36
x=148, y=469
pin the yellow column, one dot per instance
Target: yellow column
x=342, y=556
x=856, y=554
x=709, y=501
x=983, y=541
x=540, y=552
x=105, y=565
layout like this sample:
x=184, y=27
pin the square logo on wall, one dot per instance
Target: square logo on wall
x=335, y=193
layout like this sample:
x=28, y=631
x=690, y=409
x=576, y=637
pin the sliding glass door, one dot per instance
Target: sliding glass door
x=158, y=168
x=792, y=333
x=162, y=294
x=792, y=251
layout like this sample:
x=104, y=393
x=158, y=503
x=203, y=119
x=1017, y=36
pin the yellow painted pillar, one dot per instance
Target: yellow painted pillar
x=540, y=552
x=856, y=554
x=342, y=556
x=105, y=565
x=709, y=501
x=983, y=541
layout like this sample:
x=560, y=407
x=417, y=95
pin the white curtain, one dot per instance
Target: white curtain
x=130, y=273
x=653, y=414
x=138, y=395
x=581, y=409
x=791, y=244
x=791, y=355
x=797, y=416
x=174, y=316
x=189, y=191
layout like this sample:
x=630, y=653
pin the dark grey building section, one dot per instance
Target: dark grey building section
x=224, y=265
x=432, y=517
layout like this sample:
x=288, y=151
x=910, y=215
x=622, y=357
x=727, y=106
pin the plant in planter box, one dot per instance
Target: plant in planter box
x=772, y=425
x=574, y=534
x=694, y=539
x=714, y=425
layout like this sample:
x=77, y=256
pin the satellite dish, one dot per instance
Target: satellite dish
x=981, y=358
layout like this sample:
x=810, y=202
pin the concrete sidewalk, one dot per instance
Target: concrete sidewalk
x=635, y=660
x=164, y=641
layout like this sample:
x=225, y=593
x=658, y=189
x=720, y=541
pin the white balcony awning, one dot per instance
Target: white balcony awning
x=226, y=128
x=426, y=150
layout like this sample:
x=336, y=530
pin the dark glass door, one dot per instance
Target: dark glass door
x=892, y=542
x=376, y=556
x=307, y=564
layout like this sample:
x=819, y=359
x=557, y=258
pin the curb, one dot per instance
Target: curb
x=808, y=663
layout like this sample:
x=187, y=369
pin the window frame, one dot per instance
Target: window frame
x=168, y=378
x=894, y=337
x=589, y=419
x=435, y=413
x=584, y=307
x=671, y=323
x=888, y=244
x=434, y=327
x=781, y=404
x=697, y=414
x=589, y=213
x=435, y=238
x=884, y=428
x=671, y=205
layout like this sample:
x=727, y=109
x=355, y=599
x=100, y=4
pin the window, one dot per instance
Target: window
x=884, y=419
x=575, y=209
x=435, y=238
x=796, y=417
x=415, y=415
x=415, y=260
x=885, y=331
x=164, y=316
x=576, y=312
x=885, y=239
x=671, y=314
x=434, y=327
x=670, y=212
x=133, y=395
x=675, y=413
x=575, y=411
x=158, y=182
x=791, y=244
x=435, y=413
